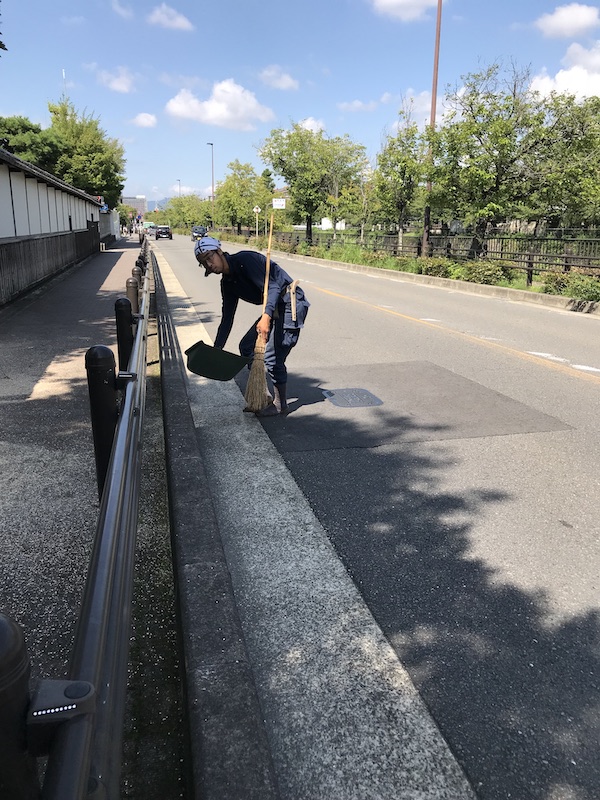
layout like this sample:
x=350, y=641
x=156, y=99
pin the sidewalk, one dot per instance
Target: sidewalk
x=48, y=492
x=49, y=504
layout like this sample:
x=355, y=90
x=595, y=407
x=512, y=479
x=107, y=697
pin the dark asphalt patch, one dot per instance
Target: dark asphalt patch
x=420, y=401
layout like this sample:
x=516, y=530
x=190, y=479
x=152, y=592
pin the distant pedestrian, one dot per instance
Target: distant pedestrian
x=243, y=278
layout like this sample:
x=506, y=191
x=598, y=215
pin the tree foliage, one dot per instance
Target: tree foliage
x=30, y=142
x=74, y=148
x=300, y=156
x=400, y=168
x=89, y=160
x=239, y=193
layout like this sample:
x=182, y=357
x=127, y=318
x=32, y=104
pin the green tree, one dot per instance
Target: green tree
x=300, y=156
x=359, y=202
x=566, y=165
x=30, y=142
x=399, y=170
x=483, y=152
x=238, y=194
x=346, y=161
x=185, y=212
x=126, y=213
x=89, y=160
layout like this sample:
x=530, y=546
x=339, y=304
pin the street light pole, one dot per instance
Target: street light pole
x=179, y=182
x=212, y=185
x=434, y=83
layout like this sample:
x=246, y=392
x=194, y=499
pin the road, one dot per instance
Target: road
x=459, y=488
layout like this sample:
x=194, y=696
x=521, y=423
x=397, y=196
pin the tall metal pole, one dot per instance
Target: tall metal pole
x=179, y=187
x=434, y=84
x=212, y=185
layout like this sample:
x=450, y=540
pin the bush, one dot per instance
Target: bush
x=555, y=282
x=583, y=287
x=572, y=284
x=438, y=267
x=486, y=272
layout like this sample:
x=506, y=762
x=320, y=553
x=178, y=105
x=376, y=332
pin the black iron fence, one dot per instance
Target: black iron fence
x=533, y=255
x=78, y=722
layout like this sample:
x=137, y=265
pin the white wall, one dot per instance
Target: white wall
x=29, y=206
x=7, y=225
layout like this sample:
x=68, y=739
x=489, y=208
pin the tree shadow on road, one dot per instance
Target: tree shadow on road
x=514, y=691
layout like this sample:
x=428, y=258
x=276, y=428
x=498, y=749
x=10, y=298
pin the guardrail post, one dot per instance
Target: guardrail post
x=124, y=321
x=102, y=387
x=132, y=289
x=18, y=772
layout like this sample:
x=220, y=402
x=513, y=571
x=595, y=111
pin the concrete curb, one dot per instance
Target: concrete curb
x=343, y=719
x=227, y=739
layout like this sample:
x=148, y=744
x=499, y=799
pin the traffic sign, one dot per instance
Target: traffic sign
x=279, y=202
x=256, y=209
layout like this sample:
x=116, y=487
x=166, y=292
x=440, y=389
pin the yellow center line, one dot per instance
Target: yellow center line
x=567, y=370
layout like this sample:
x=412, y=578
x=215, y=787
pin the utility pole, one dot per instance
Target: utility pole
x=436, y=58
x=212, y=185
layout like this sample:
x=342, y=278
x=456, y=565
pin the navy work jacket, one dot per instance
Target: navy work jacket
x=246, y=281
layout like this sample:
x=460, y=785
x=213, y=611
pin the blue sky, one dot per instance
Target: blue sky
x=166, y=78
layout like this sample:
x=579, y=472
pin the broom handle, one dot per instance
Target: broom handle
x=268, y=265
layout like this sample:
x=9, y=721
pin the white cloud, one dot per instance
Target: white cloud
x=176, y=190
x=576, y=80
x=566, y=22
x=357, y=105
x=123, y=11
x=312, y=124
x=404, y=10
x=120, y=81
x=578, y=56
x=229, y=106
x=275, y=77
x=580, y=78
x=144, y=120
x=167, y=17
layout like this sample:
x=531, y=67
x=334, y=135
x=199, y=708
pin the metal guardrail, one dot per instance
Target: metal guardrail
x=78, y=722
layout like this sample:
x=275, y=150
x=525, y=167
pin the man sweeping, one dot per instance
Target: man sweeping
x=249, y=276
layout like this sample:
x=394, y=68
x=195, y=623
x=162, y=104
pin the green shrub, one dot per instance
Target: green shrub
x=438, y=267
x=457, y=272
x=583, y=287
x=554, y=282
x=572, y=284
x=486, y=272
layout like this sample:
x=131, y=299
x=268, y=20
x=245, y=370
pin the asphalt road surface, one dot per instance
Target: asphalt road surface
x=448, y=444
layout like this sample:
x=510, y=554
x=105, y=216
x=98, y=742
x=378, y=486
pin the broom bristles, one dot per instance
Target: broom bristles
x=257, y=392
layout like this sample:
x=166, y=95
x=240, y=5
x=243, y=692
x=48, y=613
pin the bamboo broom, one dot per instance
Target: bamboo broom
x=257, y=393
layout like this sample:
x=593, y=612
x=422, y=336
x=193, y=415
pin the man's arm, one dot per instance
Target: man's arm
x=230, y=302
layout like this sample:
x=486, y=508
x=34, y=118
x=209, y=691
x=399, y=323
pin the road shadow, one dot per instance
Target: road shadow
x=513, y=690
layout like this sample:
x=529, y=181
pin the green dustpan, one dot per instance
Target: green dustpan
x=209, y=362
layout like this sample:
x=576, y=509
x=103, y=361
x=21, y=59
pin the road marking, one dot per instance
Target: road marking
x=584, y=368
x=565, y=368
x=549, y=356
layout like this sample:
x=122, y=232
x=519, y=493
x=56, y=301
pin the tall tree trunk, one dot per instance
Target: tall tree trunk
x=309, y=226
x=477, y=241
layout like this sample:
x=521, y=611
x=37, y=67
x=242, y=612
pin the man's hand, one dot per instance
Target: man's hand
x=263, y=326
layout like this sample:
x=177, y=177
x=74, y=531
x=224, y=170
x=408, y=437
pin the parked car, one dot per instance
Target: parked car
x=198, y=231
x=163, y=232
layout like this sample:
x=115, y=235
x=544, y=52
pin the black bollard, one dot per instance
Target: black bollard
x=124, y=321
x=100, y=367
x=18, y=771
